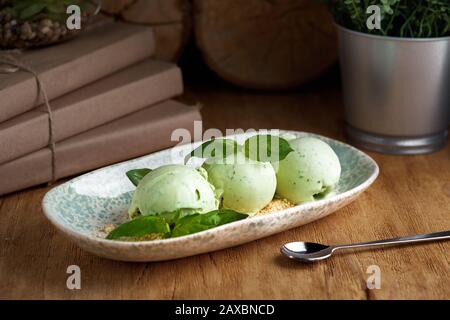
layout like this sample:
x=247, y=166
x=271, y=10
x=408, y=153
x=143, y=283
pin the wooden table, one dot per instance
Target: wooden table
x=411, y=195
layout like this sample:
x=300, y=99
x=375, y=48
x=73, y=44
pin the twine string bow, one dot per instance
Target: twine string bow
x=9, y=65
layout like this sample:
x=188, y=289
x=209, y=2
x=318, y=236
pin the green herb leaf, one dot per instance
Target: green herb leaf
x=400, y=18
x=137, y=175
x=51, y=9
x=21, y=5
x=32, y=10
x=140, y=227
x=214, y=149
x=267, y=148
x=200, y=222
x=56, y=8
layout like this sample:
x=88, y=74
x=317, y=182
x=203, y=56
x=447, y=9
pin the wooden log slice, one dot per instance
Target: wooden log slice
x=170, y=19
x=171, y=22
x=115, y=6
x=170, y=41
x=265, y=44
x=156, y=11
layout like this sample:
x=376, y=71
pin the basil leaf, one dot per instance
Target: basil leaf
x=137, y=175
x=172, y=217
x=200, y=222
x=140, y=228
x=267, y=148
x=214, y=149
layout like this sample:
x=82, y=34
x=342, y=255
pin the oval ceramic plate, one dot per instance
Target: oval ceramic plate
x=83, y=206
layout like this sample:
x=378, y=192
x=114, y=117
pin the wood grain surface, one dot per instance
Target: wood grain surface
x=412, y=195
x=265, y=44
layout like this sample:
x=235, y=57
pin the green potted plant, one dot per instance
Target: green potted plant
x=395, y=74
x=31, y=23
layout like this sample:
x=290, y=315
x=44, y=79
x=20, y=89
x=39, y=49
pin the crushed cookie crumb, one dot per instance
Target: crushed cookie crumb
x=276, y=205
x=109, y=228
x=105, y=230
x=148, y=237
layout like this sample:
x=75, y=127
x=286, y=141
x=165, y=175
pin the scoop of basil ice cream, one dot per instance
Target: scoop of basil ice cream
x=311, y=171
x=241, y=184
x=173, y=189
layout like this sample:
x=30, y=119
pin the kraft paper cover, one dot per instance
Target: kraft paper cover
x=135, y=135
x=131, y=89
x=65, y=67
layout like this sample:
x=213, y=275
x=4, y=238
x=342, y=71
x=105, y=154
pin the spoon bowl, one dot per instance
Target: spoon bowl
x=306, y=251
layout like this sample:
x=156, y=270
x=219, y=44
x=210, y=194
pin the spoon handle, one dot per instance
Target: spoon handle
x=401, y=240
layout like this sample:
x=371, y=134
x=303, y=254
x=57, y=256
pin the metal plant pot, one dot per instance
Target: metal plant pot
x=396, y=91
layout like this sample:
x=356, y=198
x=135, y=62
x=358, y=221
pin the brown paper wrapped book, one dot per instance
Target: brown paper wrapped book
x=124, y=92
x=70, y=65
x=137, y=134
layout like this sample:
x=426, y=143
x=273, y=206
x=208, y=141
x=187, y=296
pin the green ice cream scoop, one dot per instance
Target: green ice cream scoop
x=243, y=185
x=173, y=188
x=309, y=172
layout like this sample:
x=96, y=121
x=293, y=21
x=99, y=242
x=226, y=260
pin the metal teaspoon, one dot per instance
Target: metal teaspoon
x=310, y=252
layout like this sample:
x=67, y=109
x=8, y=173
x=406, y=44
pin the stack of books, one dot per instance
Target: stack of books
x=110, y=102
